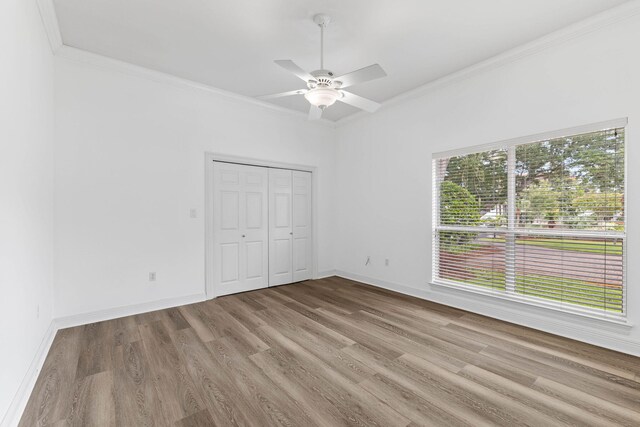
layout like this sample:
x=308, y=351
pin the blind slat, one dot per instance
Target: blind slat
x=565, y=242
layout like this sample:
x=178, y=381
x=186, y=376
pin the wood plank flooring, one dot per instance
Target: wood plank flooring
x=327, y=352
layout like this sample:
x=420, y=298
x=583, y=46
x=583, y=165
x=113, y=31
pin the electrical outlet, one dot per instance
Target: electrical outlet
x=386, y=262
x=152, y=276
x=193, y=213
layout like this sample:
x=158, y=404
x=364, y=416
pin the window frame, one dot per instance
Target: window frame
x=511, y=232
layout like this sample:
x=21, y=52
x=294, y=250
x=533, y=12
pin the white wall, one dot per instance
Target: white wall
x=129, y=159
x=129, y=165
x=26, y=192
x=384, y=164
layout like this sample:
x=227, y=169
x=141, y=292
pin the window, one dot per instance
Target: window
x=539, y=221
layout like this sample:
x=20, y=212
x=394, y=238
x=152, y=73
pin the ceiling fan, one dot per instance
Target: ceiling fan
x=323, y=89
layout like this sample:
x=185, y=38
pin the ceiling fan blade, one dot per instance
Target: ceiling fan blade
x=315, y=113
x=291, y=66
x=358, y=101
x=362, y=75
x=282, y=94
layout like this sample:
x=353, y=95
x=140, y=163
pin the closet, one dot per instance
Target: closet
x=261, y=227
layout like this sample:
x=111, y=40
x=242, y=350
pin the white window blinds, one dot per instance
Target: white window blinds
x=540, y=222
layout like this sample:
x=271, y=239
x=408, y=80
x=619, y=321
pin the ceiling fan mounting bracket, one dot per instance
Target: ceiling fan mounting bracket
x=322, y=20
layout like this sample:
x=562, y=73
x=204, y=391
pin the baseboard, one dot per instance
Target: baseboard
x=19, y=402
x=14, y=413
x=591, y=331
x=128, y=310
x=325, y=274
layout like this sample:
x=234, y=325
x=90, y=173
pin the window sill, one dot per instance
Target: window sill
x=534, y=302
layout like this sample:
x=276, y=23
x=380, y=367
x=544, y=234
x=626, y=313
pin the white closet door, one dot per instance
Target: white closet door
x=240, y=228
x=280, y=227
x=302, y=245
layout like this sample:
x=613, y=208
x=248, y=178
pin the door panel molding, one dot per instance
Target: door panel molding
x=280, y=227
x=302, y=226
x=240, y=233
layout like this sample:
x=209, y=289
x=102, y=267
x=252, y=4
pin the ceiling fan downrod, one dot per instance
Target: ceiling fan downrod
x=322, y=20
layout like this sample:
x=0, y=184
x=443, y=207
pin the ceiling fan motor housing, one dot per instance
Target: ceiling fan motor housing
x=323, y=90
x=323, y=78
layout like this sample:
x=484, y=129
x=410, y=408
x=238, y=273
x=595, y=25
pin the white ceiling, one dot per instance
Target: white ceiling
x=231, y=44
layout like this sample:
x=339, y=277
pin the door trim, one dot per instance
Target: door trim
x=209, y=158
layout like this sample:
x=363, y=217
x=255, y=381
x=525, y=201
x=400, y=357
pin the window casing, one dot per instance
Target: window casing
x=539, y=220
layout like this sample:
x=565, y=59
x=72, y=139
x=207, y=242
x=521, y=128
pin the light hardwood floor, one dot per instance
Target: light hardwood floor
x=327, y=352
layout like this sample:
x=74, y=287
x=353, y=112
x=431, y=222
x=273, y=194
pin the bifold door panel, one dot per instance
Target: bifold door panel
x=302, y=247
x=261, y=227
x=240, y=224
x=280, y=227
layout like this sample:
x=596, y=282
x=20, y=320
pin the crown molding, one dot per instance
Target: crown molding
x=579, y=29
x=50, y=23
x=592, y=24
x=59, y=49
x=104, y=62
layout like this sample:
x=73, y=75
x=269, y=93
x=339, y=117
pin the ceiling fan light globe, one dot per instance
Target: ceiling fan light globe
x=322, y=97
